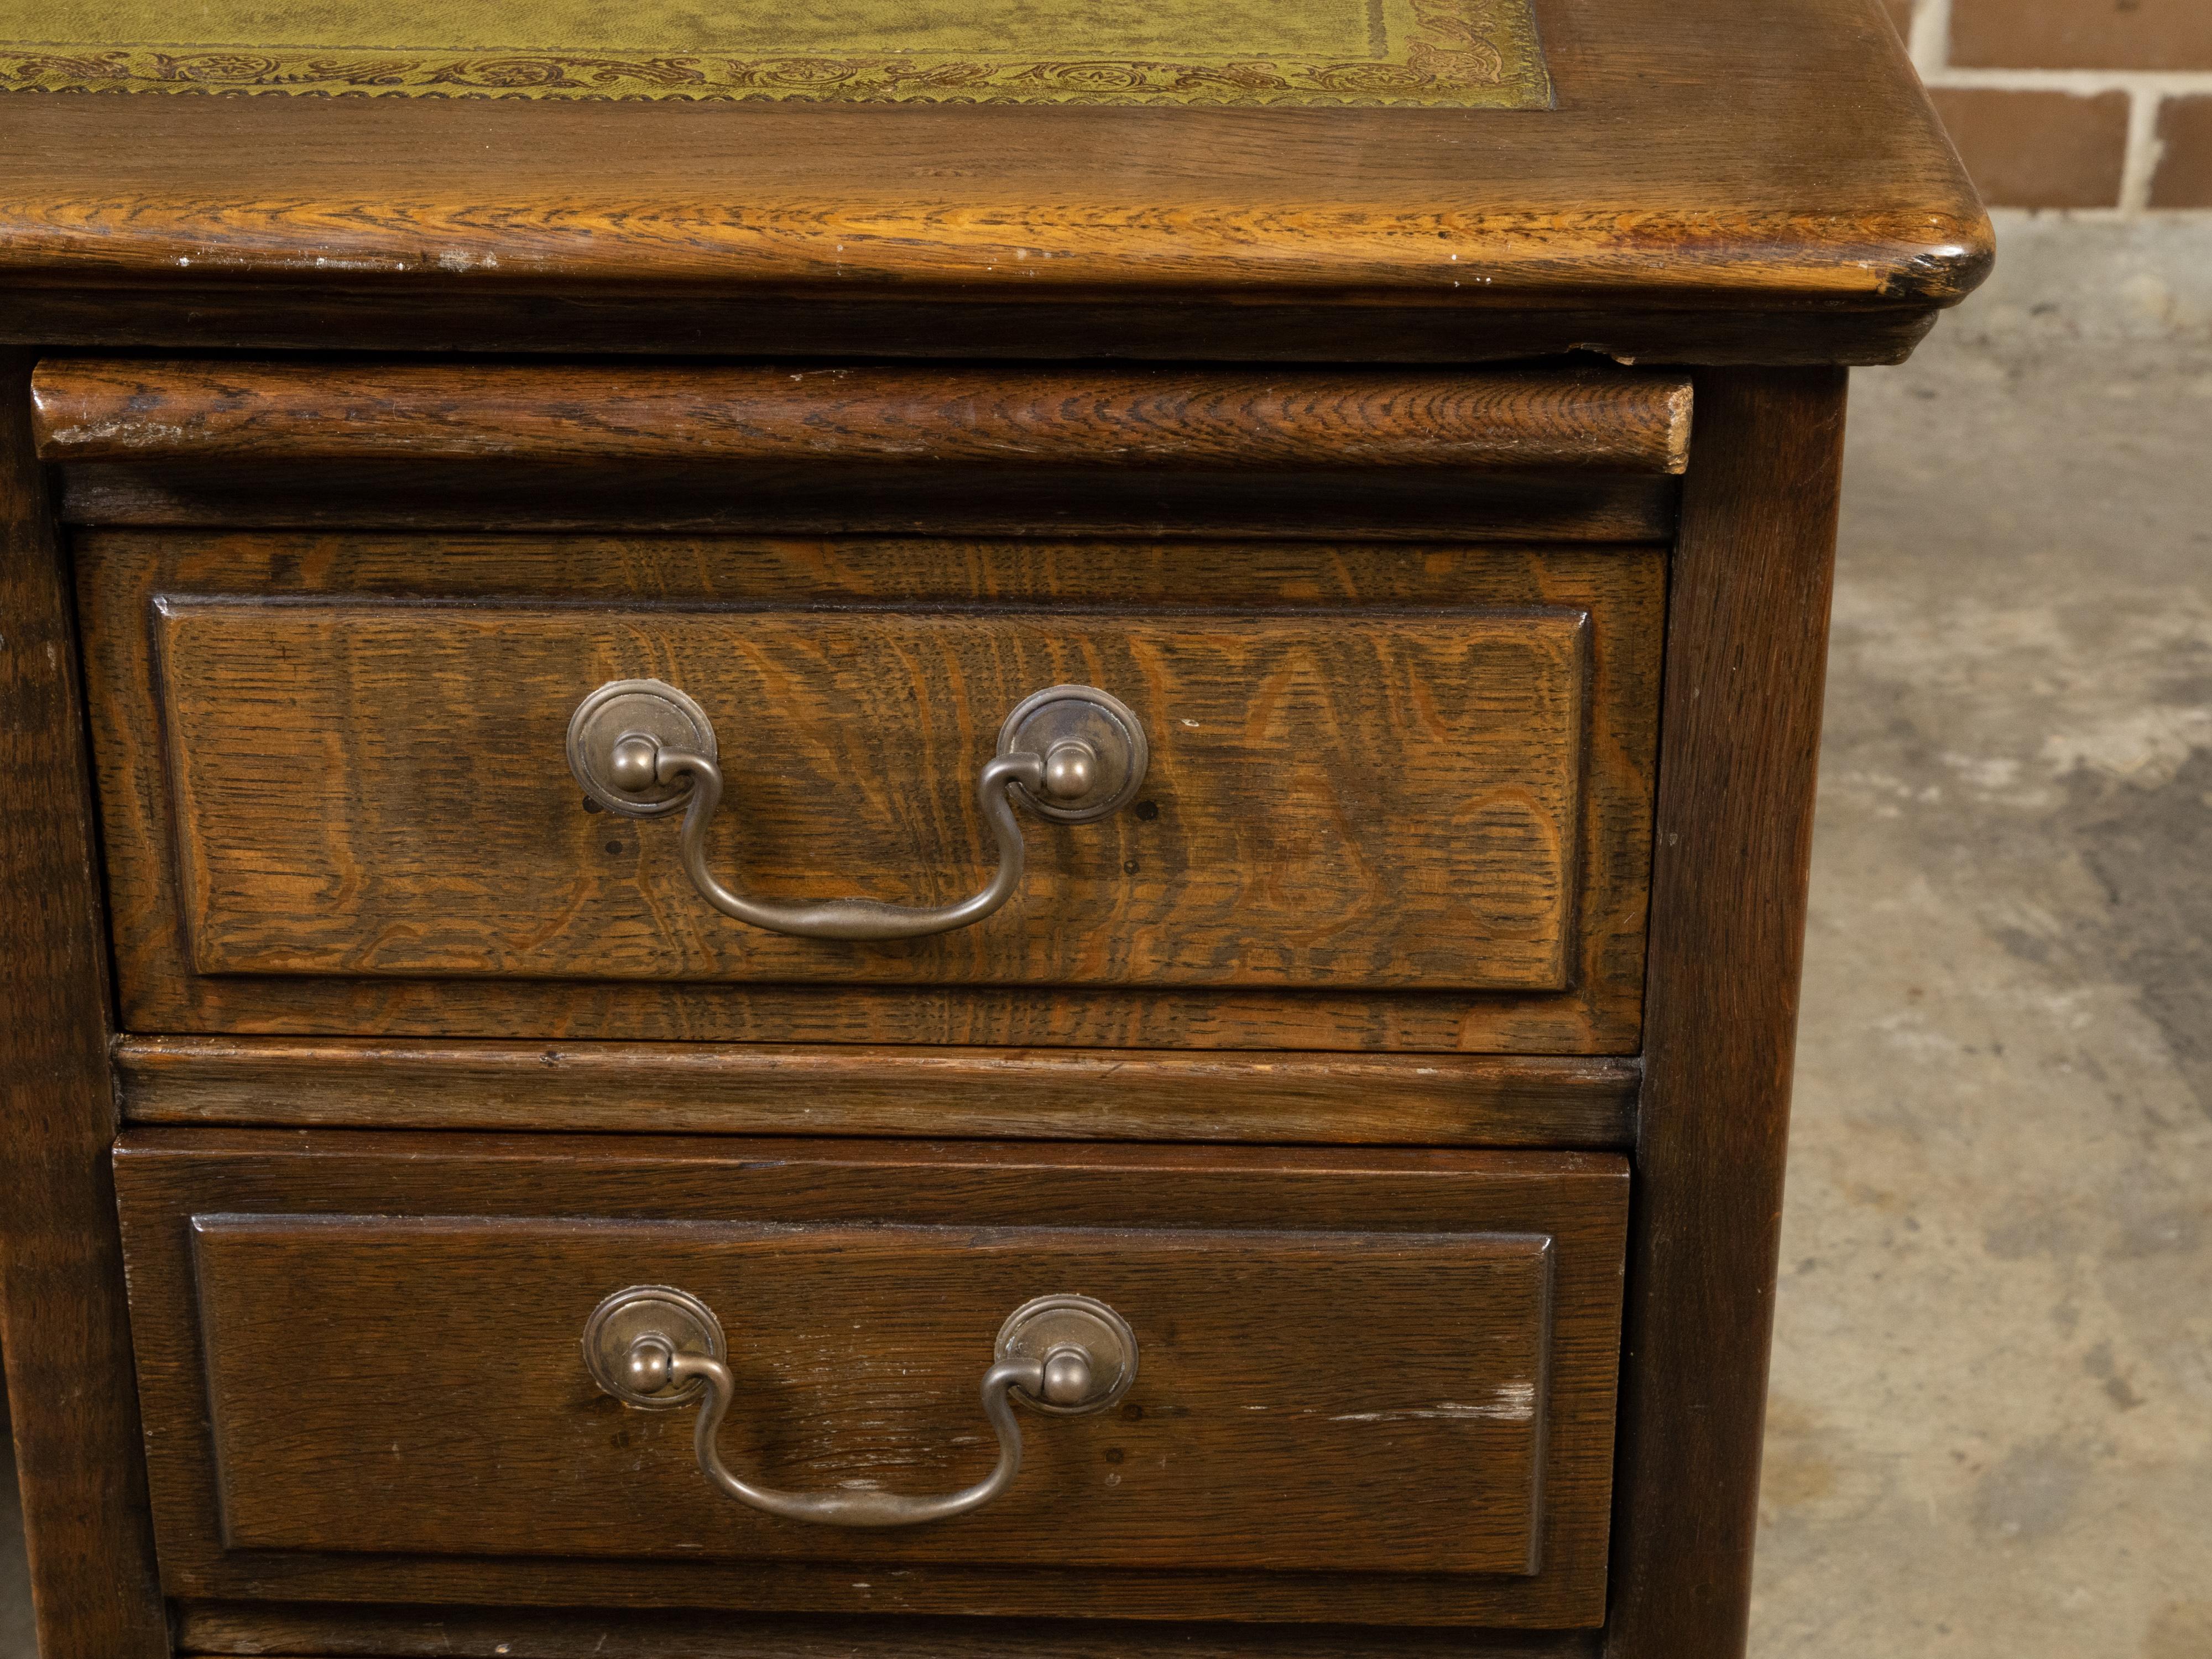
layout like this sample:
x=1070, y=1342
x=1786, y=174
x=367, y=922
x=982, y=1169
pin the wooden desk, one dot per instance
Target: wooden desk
x=1378, y=1005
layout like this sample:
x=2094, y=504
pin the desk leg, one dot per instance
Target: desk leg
x=1740, y=732
x=62, y=1320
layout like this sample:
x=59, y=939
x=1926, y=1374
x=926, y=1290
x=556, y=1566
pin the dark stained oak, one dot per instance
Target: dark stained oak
x=1049, y=503
x=1046, y=1093
x=232, y=1627
x=289, y=317
x=1251, y=1450
x=1290, y=592
x=179, y=411
x=1344, y=799
x=1352, y=376
x=1746, y=644
x=1717, y=180
x=62, y=1325
x=1336, y=1344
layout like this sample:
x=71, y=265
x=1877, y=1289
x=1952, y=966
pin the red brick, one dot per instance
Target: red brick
x=2184, y=178
x=2115, y=35
x=2039, y=149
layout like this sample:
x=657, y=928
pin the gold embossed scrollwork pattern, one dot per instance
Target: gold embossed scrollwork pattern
x=1451, y=53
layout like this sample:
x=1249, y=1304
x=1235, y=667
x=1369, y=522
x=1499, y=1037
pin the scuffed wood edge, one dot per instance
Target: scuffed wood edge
x=1680, y=408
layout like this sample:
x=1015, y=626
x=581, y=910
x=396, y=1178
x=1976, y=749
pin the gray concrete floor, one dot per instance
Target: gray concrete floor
x=1990, y=1434
x=14, y=1574
x=1990, y=1426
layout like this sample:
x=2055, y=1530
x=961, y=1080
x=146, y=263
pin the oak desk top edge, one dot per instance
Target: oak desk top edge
x=1761, y=158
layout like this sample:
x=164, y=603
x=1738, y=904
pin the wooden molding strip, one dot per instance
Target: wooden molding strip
x=1513, y=421
x=175, y=313
x=1066, y=1094
x=446, y=1632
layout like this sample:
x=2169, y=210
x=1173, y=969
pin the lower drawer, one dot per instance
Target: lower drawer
x=1371, y=1386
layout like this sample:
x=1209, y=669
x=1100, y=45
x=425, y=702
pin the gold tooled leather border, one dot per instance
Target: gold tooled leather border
x=1460, y=53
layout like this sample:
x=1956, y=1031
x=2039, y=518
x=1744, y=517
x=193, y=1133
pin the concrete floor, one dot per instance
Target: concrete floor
x=15, y=1579
x=1990, y=1434
x=1990, y=1426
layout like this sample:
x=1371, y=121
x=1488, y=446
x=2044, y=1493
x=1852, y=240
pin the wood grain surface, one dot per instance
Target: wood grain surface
x=1748, y=643
x=281, y=411
x=687, y=1088
x=1706, y=162
x=1287, y=591
x=857, y=1351
x=433, y=1632
x=1371, y=801
x=1342, y=1289
x=64, y=1328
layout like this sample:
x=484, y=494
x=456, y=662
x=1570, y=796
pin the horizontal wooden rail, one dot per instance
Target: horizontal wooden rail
x=165, y=412
x=1481, y=1100
x=293, y=1630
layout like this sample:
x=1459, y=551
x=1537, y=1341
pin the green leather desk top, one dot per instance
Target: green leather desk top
x=1438, y=53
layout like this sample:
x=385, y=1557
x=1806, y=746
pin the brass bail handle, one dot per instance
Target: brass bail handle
x=657, y=1347
x=1069, y=753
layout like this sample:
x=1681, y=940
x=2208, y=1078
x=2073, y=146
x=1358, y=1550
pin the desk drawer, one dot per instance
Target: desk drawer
x=1416, y=780
x=1390, y=1374
x=1364, y=800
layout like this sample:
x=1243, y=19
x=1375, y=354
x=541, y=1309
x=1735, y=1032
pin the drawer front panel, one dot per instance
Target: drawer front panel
x=857, y=1353
x=1398, y=797
x=1395, y=1374
x=1366, y=800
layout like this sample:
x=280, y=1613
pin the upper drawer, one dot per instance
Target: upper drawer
x=1358, y=1387
x=1434, y=784
x=1366, y=801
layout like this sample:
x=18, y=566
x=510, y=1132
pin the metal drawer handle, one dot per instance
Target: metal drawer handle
x=657, y=1347
x=1071, y=753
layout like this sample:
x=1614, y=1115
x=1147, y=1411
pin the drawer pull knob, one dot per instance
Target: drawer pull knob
x=1069, y=753
x=657, y=1347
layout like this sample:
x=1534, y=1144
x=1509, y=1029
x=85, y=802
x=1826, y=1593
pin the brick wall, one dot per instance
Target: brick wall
x=2085, y=104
